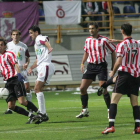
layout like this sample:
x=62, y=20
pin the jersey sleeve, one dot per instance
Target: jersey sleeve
x=120, y=50
x=27, y=53
x=111, y=47
x=42, y=40
x=85, y=47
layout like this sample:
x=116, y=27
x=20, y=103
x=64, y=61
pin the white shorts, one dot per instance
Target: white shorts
x=45, y=73
x=24, y=74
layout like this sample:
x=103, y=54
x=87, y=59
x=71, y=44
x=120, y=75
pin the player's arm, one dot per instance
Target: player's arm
x=85, y=56
x=48, y=45
x=114, y=40
x=113, y=57
x=33, y=66
x=27, y=55
x=17, y=68
x=116, y=66
x=27, y=63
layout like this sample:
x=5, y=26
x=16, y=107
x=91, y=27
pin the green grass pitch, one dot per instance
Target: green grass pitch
x=63, y=125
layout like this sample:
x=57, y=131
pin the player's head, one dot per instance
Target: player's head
x=34, y=31
x=93, y=29
x=15, y=35
x=2, y=45
x=126, y=29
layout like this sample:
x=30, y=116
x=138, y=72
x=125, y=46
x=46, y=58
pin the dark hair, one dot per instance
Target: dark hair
x=35, y=28
x=15, y=30
x=4, y=40
x=127, y=28
x=95, y=24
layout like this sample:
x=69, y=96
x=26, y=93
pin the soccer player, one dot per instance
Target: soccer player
x=96, y=49
x=44, y=66
x=127, y=82
x=14, y=82
x=22, y=54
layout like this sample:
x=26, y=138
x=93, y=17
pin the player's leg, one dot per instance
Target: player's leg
x=44, y=75
x=11, y=100
x=102, y=76
x=102, y=88
x=20, y=91
x=136, y=114
x=112, y=113
x=134, y=103
x=8, y=111
x=85, y=83
x=27, y=85
x=28, y=92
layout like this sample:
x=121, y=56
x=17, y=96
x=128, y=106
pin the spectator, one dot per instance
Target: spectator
x=89, y=8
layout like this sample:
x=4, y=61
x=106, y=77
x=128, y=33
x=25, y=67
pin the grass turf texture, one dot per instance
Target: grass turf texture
x=63, y=125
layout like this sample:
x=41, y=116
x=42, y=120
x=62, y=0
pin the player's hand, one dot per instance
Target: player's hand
x=20, y=77
x=25, y=66
x=112, y=40
x=111, y=74
x=29, y=71
x=82, y=68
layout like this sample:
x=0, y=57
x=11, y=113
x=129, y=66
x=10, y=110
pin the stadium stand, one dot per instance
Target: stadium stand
x=129, y=9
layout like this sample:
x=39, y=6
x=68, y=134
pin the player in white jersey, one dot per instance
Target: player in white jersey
x=44, y=66
x=22, y=54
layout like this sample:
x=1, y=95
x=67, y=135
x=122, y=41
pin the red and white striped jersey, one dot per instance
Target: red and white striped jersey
x=7, y=65
x=129, y=50
x=98, y=48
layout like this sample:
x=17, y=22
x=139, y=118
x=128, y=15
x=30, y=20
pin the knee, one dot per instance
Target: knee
x=36, y=89
x=24, y=103
x=83, y=90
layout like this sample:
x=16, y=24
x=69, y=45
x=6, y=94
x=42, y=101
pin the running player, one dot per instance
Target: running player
x=44, y=66
x=14, y=83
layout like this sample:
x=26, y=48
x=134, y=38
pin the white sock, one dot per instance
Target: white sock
x=41, y=102
x=29, y=96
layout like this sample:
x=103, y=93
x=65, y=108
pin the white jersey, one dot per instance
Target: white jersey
x=20, y=50
x=42, y=51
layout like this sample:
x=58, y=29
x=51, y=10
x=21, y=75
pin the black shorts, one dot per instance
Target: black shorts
x=96, y=69
x=126, y=84
x=16, y=88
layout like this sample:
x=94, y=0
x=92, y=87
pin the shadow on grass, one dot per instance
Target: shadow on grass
x=70, y=121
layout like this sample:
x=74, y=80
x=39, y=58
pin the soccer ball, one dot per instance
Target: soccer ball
x=4, y=93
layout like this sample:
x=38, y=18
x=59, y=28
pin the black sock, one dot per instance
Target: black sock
x=107, y=100
x=107, y=83
x=84, y=100
x=112, y=114
x=21, y=110
x=31, y=106
x=136, y=115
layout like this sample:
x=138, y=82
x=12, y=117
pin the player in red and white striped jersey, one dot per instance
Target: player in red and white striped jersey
x=14, y=82
x=127, y=82
x=96, y=50
x=23, y=59
x=7, y=62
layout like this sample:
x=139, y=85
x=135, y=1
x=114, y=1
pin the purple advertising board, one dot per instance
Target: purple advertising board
x=18, y=15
